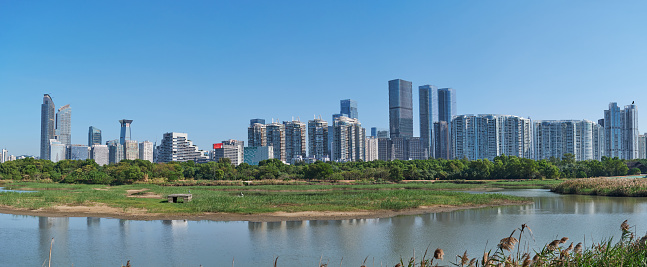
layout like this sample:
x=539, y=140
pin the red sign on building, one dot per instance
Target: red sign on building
x=218, y=145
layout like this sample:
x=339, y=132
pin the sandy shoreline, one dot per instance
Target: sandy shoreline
x=103, y=211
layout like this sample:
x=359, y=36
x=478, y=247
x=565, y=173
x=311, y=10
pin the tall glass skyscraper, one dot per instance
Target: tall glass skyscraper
x=621, y=131
x=428, y=115
x=46, y=125
x=349, y=107
x=125, y=131
x=64, y=125
x=94, y=136
x=400, y=108
x=446, y=104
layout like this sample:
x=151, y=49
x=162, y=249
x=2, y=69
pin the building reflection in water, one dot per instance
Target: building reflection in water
x=57, y=228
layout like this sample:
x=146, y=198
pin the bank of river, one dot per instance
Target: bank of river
x=111, y=242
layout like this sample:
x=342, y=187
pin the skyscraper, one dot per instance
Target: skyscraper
x=64, y=125
x=253, y=121
x=47, y=125
x=78, y=152
x=318, y=139
x=131, y=150
x=349, y=107
x=446, y=104
x=295, y=139
x=178, y=147
x=276, y=139
x=146, y=151
x=621, y=131
x=556, y=138
x=257, y=134
x=400, y=108
x=349, y=140
x=125, y=131
x=56, y=150
x=371, y=148
x=642, y=146
x=100, y=154
x=428, y=115
x=487, y=136
x=94, y=136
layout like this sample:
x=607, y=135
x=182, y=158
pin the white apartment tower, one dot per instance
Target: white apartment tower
x=486, y=136
x=178, y=147
x=146, y=151
x=349, y=139
x=318, y=139
x=295, y=139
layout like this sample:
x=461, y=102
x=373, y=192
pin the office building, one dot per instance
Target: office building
x=349, y=140
x=276, y=139
x=56, y=150
x=295, y=139
x=446, y=104
x=428, y=115
x=318, y=139
x=131, y=150
x=417, y=148
x=47, y=126
x=400, y=108
x=383, y=133
x=178, y=147
x=94, y=136
x=385, y=149
x=442, y=140
x=115, y=151
x=231, y=149
x=125, y=131
x=621, y=131
x=371, y=148
x=254, y=155
x=349, y=108
x=78, y=152
x=64, y=125
x=486, y=136
x=257, y=133
x=556, y=138
x=100, y=154
x=146, y=151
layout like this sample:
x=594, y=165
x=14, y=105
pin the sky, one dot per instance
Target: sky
x=207, y=67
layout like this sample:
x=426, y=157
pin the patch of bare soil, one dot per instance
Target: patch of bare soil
x=141, y=193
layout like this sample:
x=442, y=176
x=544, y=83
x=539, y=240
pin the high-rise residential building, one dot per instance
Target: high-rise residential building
x=642, y=146
x=385, y=149
x=178, y=147
x=231, y=149
x=487, y=136
x=56, y=150
x=94, y=136
x=598, y=140
x=428, y=115
x=556, y=138
x=78, y=152
x=146, y=151
x=621, y=131
x=47, y=125
x=318, y=139
x=4, y=154
x=400, y=108
x=295, y=139
x=64, y=125
x=100, y=154
x=349, y=140
x=371, y=148
x=131, y=150
x=115, y=151
x=257, y=134
x=442, y=140
x=125, y=131
x=253, y=155
x=276, y=139
x=349, y=107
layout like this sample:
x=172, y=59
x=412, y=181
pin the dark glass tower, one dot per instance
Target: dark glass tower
x=400, y=108
x=349, y=107
x=125, y=131
x=94, y=136
x=428, y=115
x=46, y=125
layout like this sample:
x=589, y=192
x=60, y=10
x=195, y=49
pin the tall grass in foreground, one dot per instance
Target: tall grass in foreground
x=620, y=187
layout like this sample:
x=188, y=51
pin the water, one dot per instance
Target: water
x=110, y=242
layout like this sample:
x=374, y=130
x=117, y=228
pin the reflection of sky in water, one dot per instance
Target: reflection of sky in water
x=110, y=242
x=2, y=189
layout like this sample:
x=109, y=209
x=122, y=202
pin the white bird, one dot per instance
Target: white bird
x=241, y=194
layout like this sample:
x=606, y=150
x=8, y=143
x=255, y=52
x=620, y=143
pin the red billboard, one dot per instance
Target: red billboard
x=218, y=145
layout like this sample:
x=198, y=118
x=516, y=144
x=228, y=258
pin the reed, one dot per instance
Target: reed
x=622, y=187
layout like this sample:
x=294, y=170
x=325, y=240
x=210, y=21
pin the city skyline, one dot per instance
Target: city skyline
x=568, y=67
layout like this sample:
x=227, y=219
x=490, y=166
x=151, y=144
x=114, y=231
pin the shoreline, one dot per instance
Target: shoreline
x=102, y=211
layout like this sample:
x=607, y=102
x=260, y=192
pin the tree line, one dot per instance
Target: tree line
x=130, y=171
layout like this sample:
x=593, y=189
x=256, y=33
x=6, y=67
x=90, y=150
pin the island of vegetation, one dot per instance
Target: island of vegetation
x=273, y=191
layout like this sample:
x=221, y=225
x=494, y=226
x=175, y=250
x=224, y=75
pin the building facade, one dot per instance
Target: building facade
x=428, y=115
x=47, y=125
x=349, y=108
x=318, y=139
x=371, y=148
x=349, y=140
x=254, y=155
x=146, y=151
x=131, y=150
x=556, y=138
x=295, y=139
x=115, y=151
x=57, y=150
x=400, y=108
x=100, y=154
x=486, y=136
x=621, y=131
x=125, y=130
x=231, y=149
x=94, y=136
x=78, y=152
x=64, y=125
x=642, y=146
x=385, y=149
x=178, y=147
x=442, y=140
x=4, y=155
x=276, y=139
x=256, y=134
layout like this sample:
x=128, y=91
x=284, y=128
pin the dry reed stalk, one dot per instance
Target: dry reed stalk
x=486, y=259
x=563, y=240
x=624, y=226
x=472, y=262
x=439, y=254
x=578, y=248
x=508, y=243
x=464, y=258
x=275, y=260
x=50, y=252
x=552, y=246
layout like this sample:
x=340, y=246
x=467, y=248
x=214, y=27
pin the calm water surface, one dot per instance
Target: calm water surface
x=110, y=242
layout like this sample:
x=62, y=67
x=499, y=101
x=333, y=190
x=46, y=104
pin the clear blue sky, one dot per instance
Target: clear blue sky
x=206, y=68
